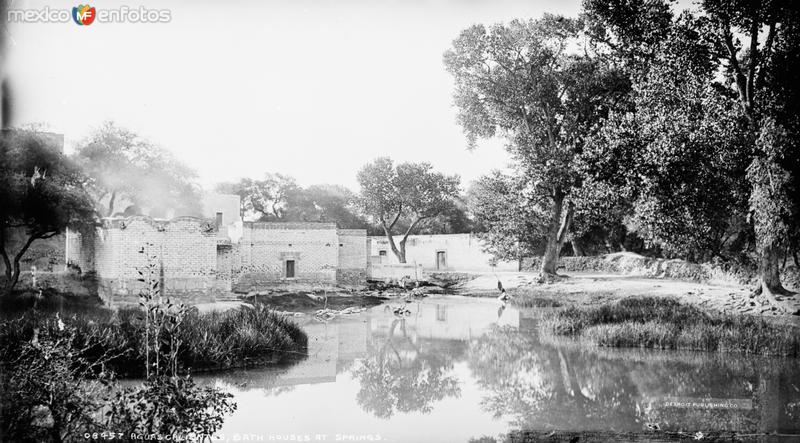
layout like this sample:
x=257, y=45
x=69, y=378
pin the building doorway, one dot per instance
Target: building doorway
x=441, y=260
x=289, y=268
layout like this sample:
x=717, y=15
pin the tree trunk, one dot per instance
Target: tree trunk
x=550, y=259
x=556, y=235
x=400, y=257
x=111, y=203
x=6, y=260
x=770, y=271
x=12, y=267
x=770, y=281
x=577, y=247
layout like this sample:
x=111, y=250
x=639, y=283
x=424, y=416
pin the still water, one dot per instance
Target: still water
x=460, y=368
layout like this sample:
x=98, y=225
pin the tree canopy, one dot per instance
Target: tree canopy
x=122, y=165
x=413, y=192
x=509, y=215
x=723, y=82
x=527, y=82
x=41, y=194
x=279, y=198
x=268, y=199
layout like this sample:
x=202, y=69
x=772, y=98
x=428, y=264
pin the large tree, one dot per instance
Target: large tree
x=278, y=197
x=752, y=47
x=412, y=192
x=510, y=215
x=527, y=82
x=332, y=203
x=680, y=159
x=268, y=199
x=124, y=166
x=41, y=194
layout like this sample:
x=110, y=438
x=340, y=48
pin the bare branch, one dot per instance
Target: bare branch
x=6, y=259
x=397, y=217
x=751, y=71
x=414, y=225
x=741, y=81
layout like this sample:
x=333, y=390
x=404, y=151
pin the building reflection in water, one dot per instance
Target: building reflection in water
x=455, y=359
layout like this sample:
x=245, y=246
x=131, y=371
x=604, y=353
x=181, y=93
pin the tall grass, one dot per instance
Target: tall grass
x=242, y=337
x=210, y=341
x=534, y=301
x=662, y=323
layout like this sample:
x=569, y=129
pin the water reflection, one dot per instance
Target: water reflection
x=406, y=375
x=456, y=368
x=542, y=387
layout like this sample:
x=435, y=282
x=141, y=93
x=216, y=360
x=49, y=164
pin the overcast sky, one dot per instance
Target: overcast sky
x=309, y=88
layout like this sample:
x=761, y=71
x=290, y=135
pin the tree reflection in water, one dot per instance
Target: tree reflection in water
x=563, y=386
x=539, y=386
x=402, y=377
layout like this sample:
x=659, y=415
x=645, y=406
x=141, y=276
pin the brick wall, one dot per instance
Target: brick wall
x=186, y=247
x=196, y=260
x=352, y=268
x=265, y=248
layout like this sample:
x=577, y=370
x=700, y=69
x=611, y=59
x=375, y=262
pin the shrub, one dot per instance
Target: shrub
x=209, y=341
x=242, y=337
x=169, y=406
x=45, y=396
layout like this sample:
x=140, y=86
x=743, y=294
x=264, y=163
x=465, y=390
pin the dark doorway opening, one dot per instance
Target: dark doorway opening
x=289, y=268
x=441, y=259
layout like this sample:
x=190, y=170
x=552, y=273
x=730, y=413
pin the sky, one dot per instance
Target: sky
x=309, y=88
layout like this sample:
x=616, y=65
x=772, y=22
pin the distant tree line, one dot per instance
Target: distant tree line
x=115, y=172
x=393, y=200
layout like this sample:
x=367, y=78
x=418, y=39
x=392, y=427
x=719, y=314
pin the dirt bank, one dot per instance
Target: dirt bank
x=590, y=288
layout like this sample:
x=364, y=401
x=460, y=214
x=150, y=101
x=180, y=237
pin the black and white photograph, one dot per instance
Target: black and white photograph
x=402, y=221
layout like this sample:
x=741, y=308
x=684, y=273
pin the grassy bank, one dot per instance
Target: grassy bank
x=210, y=341
x=663, y=323
x=536, y=302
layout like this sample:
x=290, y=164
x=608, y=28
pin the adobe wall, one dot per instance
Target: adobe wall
x=353, y=257
x=463, y=252
x=265, y=248
x=186, y=247
x=199, y=262
x=389, y=273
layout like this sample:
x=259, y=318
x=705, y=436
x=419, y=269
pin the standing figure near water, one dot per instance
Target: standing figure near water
x=504, y=297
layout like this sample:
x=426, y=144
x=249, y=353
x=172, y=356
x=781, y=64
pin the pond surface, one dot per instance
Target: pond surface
x=460, y=368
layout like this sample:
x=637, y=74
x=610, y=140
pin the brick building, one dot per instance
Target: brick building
x=184, y=247
x=200, y=259
x=271, y=254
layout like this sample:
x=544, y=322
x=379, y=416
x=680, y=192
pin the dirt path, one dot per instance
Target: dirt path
x=596, y=288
